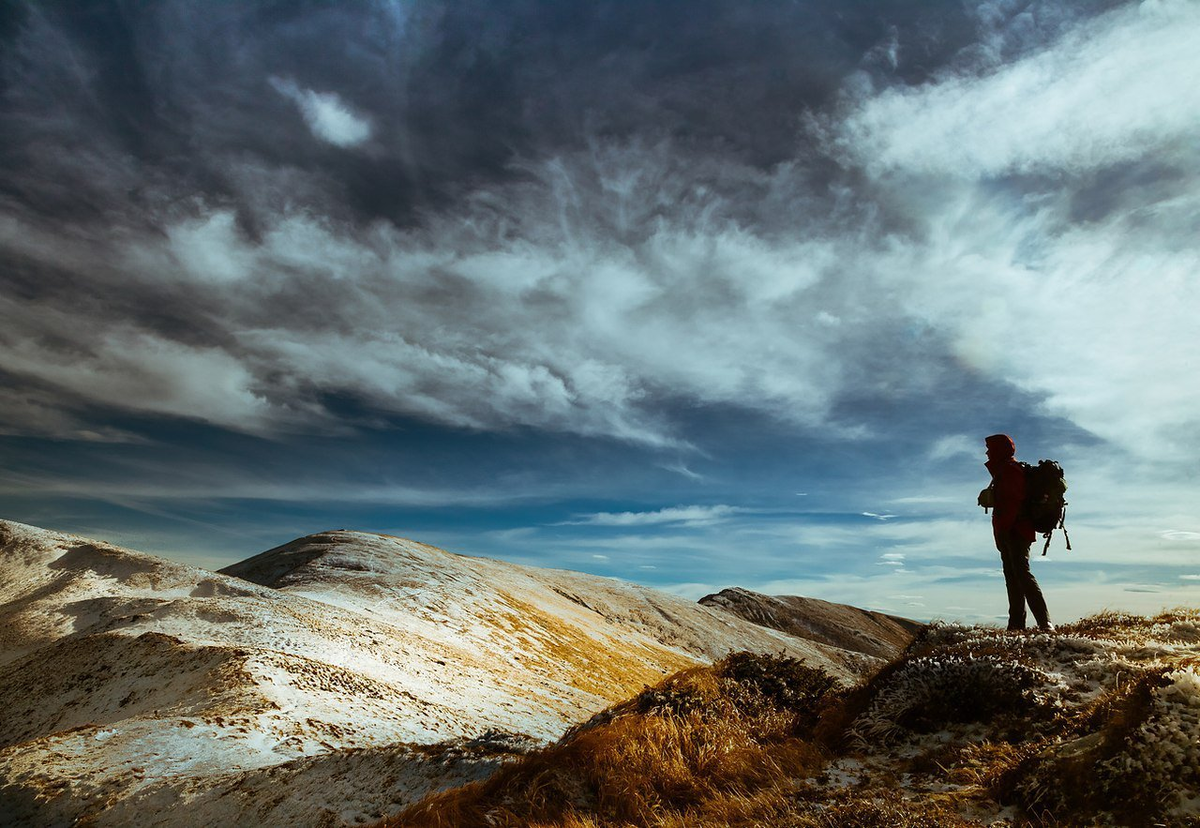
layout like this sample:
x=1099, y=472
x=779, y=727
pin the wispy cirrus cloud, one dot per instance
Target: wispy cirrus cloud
x=1181, y=536
x=675, y=515
x=1113, y=90
x=1065, y=182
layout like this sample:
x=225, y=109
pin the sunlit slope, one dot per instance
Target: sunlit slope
x=126, y=678
x=129, y=682
x=571, y=639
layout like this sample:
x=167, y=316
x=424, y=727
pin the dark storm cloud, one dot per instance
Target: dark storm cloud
x=128, y=107
x=112, y=103
x=567, y=216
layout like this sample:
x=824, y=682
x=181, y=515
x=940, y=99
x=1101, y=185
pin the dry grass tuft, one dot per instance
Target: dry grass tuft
x=1179, y=624
x=715, y=745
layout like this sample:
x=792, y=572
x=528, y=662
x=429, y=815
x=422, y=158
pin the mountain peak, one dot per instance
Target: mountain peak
x=319, y=556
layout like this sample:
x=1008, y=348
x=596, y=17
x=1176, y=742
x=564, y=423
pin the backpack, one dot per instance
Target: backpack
x=1044, y=505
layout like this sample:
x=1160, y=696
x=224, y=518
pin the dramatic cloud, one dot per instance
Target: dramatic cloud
x=1059, y=256
x=748, y=250
x=744, y=285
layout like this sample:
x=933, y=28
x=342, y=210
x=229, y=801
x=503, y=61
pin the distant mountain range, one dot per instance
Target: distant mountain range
x=336, y=678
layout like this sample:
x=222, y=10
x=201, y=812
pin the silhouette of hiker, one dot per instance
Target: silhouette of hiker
x=1013, y=532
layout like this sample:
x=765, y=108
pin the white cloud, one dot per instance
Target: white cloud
x=1179, y=535
x=685, y=515
x=326, y=114
x=955, y=445
x=1080, y=293
x=115, y=366
x=682, y=469
x=1115, y=89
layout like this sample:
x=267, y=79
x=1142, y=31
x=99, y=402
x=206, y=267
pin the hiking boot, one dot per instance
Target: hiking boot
x=1047, y=627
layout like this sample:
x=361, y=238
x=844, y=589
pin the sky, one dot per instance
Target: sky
x=695, y=294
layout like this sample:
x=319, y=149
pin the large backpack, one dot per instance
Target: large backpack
x=1044, y=504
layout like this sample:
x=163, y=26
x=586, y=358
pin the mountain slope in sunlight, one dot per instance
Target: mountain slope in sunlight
x=334, y=679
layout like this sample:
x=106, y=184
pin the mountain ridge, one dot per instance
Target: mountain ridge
x=128, y=680
x=840, y=625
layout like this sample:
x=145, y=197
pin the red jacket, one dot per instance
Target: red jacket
x=1009, y=490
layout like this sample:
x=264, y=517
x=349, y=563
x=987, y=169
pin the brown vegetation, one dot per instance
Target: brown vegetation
x=717, y=745
x=1096, y=724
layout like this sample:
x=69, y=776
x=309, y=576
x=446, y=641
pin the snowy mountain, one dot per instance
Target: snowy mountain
x=333, y=679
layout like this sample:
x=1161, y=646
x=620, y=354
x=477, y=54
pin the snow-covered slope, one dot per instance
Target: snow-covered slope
x=138, y=691
x=573, y=642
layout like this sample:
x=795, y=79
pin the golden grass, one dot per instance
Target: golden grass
x=701, y=748
x=585, y=662
x=1124, y=626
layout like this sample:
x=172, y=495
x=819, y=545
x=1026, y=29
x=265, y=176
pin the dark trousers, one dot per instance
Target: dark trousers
x=1022, y=586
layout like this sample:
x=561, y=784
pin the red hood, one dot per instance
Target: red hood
x=1000, y=447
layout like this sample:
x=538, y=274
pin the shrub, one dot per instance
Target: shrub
x=926, y=693
x=1140, y=764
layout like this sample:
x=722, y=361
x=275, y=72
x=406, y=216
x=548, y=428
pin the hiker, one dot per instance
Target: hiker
x=1014, y=533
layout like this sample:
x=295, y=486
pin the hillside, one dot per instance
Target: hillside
x=556, y=619
x=333, y=679
x=1096, y=724
x=851, y=628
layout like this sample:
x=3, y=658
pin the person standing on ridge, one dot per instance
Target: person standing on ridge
x=1013, y=532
